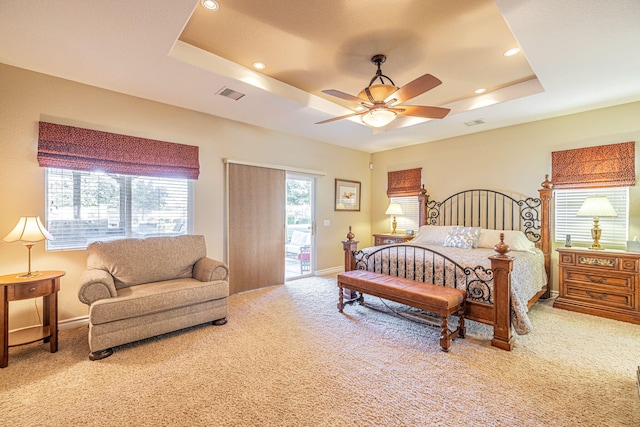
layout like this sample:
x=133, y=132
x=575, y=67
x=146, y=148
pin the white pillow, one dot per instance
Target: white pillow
x=432, y=234
x=463, y=237
x=299, y=238
x=516, y=240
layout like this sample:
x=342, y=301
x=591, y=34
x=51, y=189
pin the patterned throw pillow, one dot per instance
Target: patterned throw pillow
x=463, y=237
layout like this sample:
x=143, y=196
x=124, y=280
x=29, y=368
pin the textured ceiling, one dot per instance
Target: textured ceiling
x=576, y=55
x=328, y=44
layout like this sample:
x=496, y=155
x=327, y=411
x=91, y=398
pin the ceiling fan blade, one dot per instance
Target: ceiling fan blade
x=414, y=88
x=343, y=95
x=426, y=112
x=342, y=117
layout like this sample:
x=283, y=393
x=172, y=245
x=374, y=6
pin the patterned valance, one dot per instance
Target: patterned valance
x=404, y=183
x=595, y=167
x=69, y=147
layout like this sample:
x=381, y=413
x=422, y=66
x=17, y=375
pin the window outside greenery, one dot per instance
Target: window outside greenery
x=83, y=207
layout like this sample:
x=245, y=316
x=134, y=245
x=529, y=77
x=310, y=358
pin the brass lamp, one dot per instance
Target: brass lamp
x=394, y=209
x=597, y=207
x=28, y=230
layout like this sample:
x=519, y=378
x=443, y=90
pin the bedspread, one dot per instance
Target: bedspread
x=468, y=269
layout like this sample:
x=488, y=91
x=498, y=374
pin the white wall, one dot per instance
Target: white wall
x=515, y=158
x=511, y=159
x=28, y=98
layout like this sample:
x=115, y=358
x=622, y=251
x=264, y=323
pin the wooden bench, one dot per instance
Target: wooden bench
x=440, y=300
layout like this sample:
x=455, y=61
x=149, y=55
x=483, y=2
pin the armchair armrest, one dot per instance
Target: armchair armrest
x=96, y=285
x=207, y=269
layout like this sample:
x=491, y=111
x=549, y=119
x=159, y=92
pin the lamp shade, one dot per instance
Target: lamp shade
x=597, y=206
x=394, y=209
x=378, y=117
x=29, y=229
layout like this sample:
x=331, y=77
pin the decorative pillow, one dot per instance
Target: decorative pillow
x=299, y=238
x=516, y=240
x=432, y=234
x=463, y=237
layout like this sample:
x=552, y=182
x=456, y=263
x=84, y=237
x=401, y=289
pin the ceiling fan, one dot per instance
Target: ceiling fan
x=382, y=101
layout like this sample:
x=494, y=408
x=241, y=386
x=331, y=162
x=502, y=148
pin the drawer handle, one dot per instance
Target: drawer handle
x=32, y=289
x=600, y=296
x=596, y=280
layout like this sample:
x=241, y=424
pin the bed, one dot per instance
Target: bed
x=458, y=245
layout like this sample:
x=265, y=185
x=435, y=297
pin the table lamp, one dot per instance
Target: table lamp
x=394, y=209
x=28, y=230
x=597, y=207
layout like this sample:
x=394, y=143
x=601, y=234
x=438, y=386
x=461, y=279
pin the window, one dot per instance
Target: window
x=83, y=207
x=409, y=220
x=614, y=230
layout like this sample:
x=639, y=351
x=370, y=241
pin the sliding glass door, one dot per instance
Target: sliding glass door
x=300, y=221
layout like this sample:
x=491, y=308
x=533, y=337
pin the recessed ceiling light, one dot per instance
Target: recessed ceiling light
x=512, y=52
x=210, y=4
x=259, y=65
x=481, y=90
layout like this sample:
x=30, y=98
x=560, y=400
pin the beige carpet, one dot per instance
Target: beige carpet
x=288, y=358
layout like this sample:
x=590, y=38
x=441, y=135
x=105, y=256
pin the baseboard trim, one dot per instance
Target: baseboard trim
x=328, y=271
x=76, y=322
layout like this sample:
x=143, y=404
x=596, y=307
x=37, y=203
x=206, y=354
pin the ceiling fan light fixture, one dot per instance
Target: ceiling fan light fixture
x=378, y=118
x=378, y=92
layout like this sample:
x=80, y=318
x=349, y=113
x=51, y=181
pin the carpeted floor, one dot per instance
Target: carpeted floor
x=288, y=358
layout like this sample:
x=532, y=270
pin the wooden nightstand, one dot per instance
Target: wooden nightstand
x=12, y=288
x=603, y=283
x=390, y=239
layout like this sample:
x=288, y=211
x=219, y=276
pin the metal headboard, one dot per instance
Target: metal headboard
x=488, y=209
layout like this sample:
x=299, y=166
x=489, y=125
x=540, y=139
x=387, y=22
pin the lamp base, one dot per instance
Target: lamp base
x=29, y=274
x=596, y=233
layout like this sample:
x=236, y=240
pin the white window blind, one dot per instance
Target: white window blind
x=614, y=230
x=83, y=207
x=409, y=220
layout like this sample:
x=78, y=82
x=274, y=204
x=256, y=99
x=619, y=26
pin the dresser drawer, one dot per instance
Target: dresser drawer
x=601, y=298
x=616, y=282
x=603, y=283
x=29, y=290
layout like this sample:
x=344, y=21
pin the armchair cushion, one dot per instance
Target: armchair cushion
x=154, y=259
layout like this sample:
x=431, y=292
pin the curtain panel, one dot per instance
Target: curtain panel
x=404, y=183
x=69, y=147
x=256, y=214
x=610, y=165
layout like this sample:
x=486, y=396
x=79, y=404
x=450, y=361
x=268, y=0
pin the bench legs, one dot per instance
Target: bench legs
x=445, y=336
x=342, y=302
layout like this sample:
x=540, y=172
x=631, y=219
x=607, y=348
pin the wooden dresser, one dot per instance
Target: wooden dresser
x=603, y=283
x=390, y=239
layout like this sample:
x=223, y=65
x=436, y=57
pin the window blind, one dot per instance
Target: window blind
x=409, y=220
x=83, y=207
x=614, y=230
x=602, y=166
x=404, y=183
x=69, y=147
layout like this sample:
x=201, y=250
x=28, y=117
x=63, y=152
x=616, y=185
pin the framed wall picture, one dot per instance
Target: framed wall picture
x=347, y=195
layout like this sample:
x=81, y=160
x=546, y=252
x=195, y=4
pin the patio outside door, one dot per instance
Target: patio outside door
x=300, y=221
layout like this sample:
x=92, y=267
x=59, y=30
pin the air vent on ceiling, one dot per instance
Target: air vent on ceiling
x=230, y=93
x=475, y=122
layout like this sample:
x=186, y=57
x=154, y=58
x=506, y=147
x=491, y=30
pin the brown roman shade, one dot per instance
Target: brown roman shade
x=595, y=167
x=69, y=147
x=404, y=183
